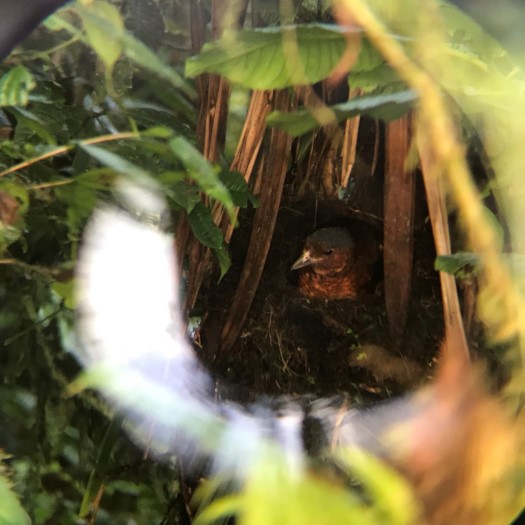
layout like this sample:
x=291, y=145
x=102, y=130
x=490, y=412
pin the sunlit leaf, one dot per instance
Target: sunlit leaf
x=104, y=39
x=159, y=132
x=393, y=499
x=273, y=57
x=11, y=512
x=15, y=87
x=298, y=499
x=224, y=507
x=65, y=290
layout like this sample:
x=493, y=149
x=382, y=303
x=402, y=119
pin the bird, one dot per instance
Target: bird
x=338, y=262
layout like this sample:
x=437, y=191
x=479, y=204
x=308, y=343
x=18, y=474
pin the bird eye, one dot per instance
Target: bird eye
x=328, y=252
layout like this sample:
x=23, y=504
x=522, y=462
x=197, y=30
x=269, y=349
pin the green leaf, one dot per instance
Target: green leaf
x=273, y=57
x=65, y=290
x=104, y=39
x=278, y=57
x=223, y=256
x=14, y=202
x=202, y=172
x=234, y=181
x=97, y=179
x=297, y=498
x=386, y=107
x=369, y=57
x=114, y=161
x=201, y=223
x=461, y=264
x=80, y=201
x=158, y=132
x=143, y=56
x=382, y=78
x=185, y=195
x=55, y=22
x=15, y=87
x=393, y=499
x=19, y=192
x=27, y=119
x=11, y=512
x=222, y=508
x=134, y=49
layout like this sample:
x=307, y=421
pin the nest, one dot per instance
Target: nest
x=294, y=345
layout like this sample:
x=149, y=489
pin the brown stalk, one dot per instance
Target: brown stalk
x=326, y=143
x=349, y=144
x=398, y=224
x=247, y=150
x=437, y=208
x=274, y=173
x=214, y=92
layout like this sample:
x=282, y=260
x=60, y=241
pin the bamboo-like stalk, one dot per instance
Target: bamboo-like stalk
x=437, y=127
x=274, y=173
x=437, y=208
x=399, y=207
x=247, y=150
x=349, y=144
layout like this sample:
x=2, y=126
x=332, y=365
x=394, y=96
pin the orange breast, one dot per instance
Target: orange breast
x=344, y=286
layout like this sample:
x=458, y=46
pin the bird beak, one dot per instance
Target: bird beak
x=304, y=260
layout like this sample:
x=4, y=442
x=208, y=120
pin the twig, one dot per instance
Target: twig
x=64, y=149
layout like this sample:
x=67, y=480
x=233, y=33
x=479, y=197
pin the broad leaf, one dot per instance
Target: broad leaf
x=273, y=57
x=104, y=40
x=385, y=107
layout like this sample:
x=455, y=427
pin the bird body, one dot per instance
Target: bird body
x=337, y=262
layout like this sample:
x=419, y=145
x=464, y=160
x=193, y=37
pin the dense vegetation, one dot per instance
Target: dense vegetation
x=238, y=111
